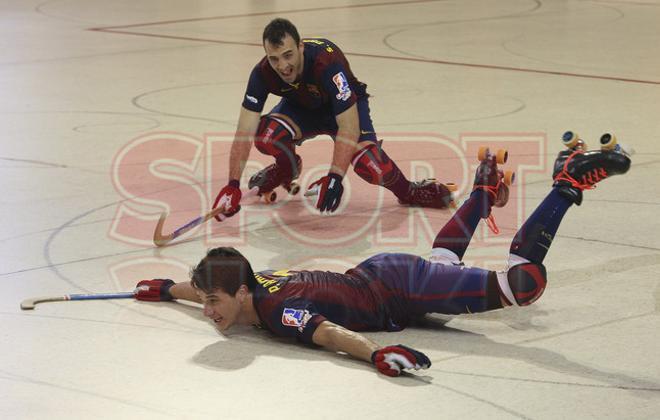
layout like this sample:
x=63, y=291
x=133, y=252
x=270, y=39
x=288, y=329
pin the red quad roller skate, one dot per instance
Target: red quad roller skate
x=274, y=176
x=429, y=193
x=493, y=180
x=576, y=169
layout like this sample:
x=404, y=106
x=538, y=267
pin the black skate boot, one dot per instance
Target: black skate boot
x=576, y=170
x=429, y=193
x=276, y=175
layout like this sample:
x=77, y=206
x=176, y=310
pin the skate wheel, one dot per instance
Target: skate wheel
x=502, y=156
x=483, y=153
x=570, y=139
x=294, y=188
x=451, y=187
x=270, y=197
x=509, y=177
x=608, y=141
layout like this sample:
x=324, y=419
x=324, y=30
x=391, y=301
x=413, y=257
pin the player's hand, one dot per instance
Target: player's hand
x=391, y=360
x=329, y=192
x=156, y=290
x=229, y=197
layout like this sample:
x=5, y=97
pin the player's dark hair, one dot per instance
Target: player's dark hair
x=223, y=268
x=277, y=29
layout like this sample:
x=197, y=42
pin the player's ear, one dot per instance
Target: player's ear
x=242, y=293
x=301, y=46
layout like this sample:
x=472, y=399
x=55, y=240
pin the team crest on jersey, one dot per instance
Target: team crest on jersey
x=295, y=318
x=342, y=86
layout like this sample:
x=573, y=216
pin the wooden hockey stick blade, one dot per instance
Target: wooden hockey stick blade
x=161, y=240
x=31, y=303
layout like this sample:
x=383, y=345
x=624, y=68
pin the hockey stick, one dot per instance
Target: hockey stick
x=31, y=303
x=161, y=240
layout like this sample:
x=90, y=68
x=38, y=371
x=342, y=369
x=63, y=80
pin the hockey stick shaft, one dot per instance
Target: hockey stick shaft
x=31, y=303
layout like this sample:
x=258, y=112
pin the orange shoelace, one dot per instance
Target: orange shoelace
x=490, y=220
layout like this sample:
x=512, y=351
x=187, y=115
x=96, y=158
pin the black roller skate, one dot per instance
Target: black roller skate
x=276, y=175
x=429, y=193
x=576, y=169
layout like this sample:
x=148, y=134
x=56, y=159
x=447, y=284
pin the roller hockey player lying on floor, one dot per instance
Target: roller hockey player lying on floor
x=386, y=291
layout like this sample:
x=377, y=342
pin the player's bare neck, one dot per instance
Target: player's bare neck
x=302, y=67
x=249, y=312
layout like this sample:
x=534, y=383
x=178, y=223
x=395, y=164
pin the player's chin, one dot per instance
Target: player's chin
x=223, y=325
x=289, y=78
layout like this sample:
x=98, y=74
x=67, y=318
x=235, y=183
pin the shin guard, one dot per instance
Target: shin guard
x=374, y=166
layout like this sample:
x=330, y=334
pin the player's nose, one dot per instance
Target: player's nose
x=208, y=311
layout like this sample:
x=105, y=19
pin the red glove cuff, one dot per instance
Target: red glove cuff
x=156, y=290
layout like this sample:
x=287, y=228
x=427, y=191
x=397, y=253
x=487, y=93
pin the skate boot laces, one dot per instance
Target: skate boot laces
x=588, y=180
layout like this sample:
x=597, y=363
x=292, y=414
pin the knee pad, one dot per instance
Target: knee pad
x=444, y=256
x=527, y=282
x=374, y=166
x=273, y=137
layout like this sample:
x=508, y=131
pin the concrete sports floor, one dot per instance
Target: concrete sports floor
x=112, y=112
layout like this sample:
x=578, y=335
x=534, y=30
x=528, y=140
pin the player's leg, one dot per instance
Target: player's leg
x=276, y=136
x=453, y=239
x=418, y=286
x=370, y=161
x=373, y=165
x=574, y=171
x=455, y=289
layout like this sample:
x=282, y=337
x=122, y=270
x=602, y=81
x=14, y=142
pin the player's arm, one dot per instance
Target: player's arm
x=185, y=291
x=248, y=122
x=230, y=195
x=256, y=93
x=330, y=187
x=337, y=338
x=348, y=132
x=344, y=105
x=390, y=360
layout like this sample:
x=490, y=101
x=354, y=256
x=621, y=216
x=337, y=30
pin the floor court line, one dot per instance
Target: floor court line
x=275, y=12
x=398, y=58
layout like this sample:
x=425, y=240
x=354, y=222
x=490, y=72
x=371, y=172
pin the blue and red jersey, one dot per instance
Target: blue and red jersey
x=383, y=292
x=294, y=303
x=327, y=82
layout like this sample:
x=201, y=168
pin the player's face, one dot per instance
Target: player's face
x=221, y=308
x=286, y=59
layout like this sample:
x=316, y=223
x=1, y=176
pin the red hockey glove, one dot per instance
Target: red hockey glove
x=156, y=290
x=229, y=197
x=329, y=192
x=392, y=359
